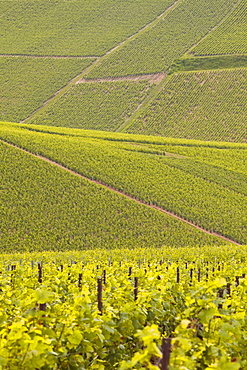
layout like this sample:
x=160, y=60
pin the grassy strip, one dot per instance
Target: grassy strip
x=208, y=63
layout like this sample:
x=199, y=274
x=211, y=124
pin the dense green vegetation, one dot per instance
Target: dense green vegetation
x=96, y=105
x=46, y=208
x=203, y=105
x=58, y=27
x=204, y=197
x=188, y=63
x=156, y=48
x=229, y=37
x=53, y=321
x=27, y=82
x=101, y=213
x=91, y=28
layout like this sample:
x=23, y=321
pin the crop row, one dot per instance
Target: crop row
x=154, y=50
x=45, y=207
x=199, y=105
x=27, y=82
x=229, y=37
x=99, y=106
x=209, y=202
x=51, y=317
x=88, y=27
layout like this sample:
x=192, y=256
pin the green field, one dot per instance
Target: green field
x=208, y=105
x=202, y=194
x=28, y=82
x=229, y=37
x=96, y=105
x=64, y=27
x=207, y=63
x=156, y=48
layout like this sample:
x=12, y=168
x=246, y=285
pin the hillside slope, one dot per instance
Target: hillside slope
x=204, y=184
x=45, y=207
x=99, y=43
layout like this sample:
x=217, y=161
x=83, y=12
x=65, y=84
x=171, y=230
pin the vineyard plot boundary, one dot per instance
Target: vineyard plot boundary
x=48, y=56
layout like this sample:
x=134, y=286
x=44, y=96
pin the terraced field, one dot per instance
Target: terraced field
x=229, y=38
x=198, y=105
x=201, y=194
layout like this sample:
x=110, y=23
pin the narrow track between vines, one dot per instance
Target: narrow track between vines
x=122, y=193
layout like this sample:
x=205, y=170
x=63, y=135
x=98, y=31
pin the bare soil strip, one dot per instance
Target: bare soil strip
x=49, y=56
x=123, y=194
x=151, y=78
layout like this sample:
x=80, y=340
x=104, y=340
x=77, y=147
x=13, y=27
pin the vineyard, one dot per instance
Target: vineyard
x=188, y=102
x=46, y=208
x=27, y=82
x=154, y=50
x=111, y=310
x=100, y=106
x=125, y=248
x=196, y=189
x=72, y=28
x=106, y=66
x=229, y=37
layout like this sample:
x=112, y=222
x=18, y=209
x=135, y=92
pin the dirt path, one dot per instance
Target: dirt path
x=151, y=78
x=48, y=56
x=123, y=194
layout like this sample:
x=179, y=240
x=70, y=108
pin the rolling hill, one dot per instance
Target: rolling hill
x=124, y=61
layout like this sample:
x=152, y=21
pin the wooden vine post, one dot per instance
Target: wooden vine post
x=40, y=273
x=100, y=305
x=166, y=351
x=79, y=280
x=136, y=288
